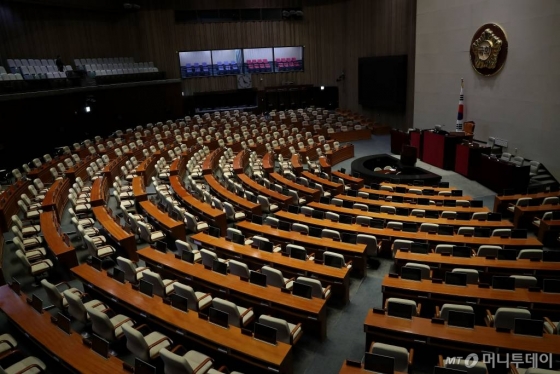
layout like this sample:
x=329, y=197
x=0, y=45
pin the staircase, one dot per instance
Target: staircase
x=542, y=179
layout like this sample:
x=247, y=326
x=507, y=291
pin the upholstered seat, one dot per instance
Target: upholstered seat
x=145, y=347
x=317, y=289
x=195, y=300
x=285, y=332
x=238, y=316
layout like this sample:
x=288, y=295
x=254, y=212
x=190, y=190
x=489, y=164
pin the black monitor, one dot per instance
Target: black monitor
x=284, y=225
x=286, y=191
x=265, y=333
x=418, y=182
x=118, y=274
x=464, y=216
x=519, y=234
x=451, y=203
x=187, y=256
x=161, y=246
x=179, y=302
x=352, y=193
x=302, y=290
x=410, y=227
x=347, y=204
x=402, y=211
x=324, y=200
x=146, y=287
x=445, y=230
x=257, y=219
x=333, y=261
x=456, y=192
x=400, y=189
x=503, y=283
x=214, y=231
x=554, y=188
x=531, y=327
x=397, y=199
x=293, y=209
x=460, y=319
x=477, y=203
x=257, y=278
x=443, y=184
x=63, y=323
x=507, y=254
x=411, y=273
x=142, y=367
x=37, y=303
x=422, y=201
x=315, y=231
x=96, y=263
x=377, y=223
x=375, y=186
x=374, y=208
x=551, y=256
x=400, y=310
x=442, y=370
x=494, y=217
x=534, y=190
x=218, y=317
x=344, y=218
x=551, y=285
x=219, y=267
x=355, y=174
x=349, y=238
x=298, y=253
x=461, y=251
x=482, y=232
x=318, y=214
x=428, y=192
x=431, y=214
x=342, y=170
x=456, y=279
x=374, y=196
x=238, y=239
x=266, y=246
x=175, y=215
x=422, y=248
x=100, y=346
x=379, y=364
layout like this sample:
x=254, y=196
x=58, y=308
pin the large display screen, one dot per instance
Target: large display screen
x=258, y=60
x=288, y=59
x=226, y=61
x=195, y=64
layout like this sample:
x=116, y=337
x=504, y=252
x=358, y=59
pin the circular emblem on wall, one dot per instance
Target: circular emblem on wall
x=489, y=48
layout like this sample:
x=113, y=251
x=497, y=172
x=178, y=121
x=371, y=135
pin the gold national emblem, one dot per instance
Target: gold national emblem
x=488, y=50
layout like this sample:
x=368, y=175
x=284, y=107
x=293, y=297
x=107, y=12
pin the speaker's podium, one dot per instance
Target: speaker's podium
x=439, y=147
x=467, y=158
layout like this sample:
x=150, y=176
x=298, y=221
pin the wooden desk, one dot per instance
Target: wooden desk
x=268, y=162
x=410, y=196
x=240, y=161
x=43, y=172
x=169, y=225
x=421, y=331
x=393, y=217
x=237, y=201
x=439, y=149
x=343, y=153
x=312, y=313
x=327, y=184
x=67, y=349
x=290, y=267
x=58, y=242
x=147, y=167
x=302, y=190
x=523, y=215
x=354, y=252
x=548, y=232
x=324, y=163
x=408, y=186
x=56, y=197
x=470, y=294
x=410, y=205
x=116, y=232
x=467, y=159
x=416, y=236
x=113, y=169
x=282, y=200
x=540, y=269
x=139, y=189
x=215, y=338
x=296, y=163
x=348, y=179
x=99, y=189
x=502, y=202
x=213, y=216
x=8, y=203
x=500, y=175
x=79, y=169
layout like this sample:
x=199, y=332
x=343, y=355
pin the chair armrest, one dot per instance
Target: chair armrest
x=79, y=292
x=141, y=269
x=418, y=308
x=143, y=327
x=473, y=253
x=160, y=341
x=371, y=347
x=489, y=318
x=245, y=312
x=177, y=347
x=326, y=289
x=554, y=327
x=7, y=342
x=386, y=304
x=123, y=322
x=289, y=280
x=201, y=365
x=437, y=311
x=440, y=360
x=513, y=369
x=38, y=262
x=29, y=367
x=99, y=303
x=349, y=264
x=203, y=296
x=410, y=357
x=293, y=331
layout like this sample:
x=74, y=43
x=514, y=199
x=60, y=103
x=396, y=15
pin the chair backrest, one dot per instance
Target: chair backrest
x=333, y=254
x=524, y=281
x=315, y=284
x=424, y=269
x=76, y=307
x=331, y=234
x=445, y=308
x=388, y=209
x=238, y=268
x=402, y=244
x=400, y=355
x=156, y=281
x=505, y=317
x=472, y=274
x=551, y=201
x=175, y=364
x=208, y=257
x=101, y=324
x=129, y=269
x=370, y=241
x=136, y=343
x=444, y=248
x=274, y=277
x=429, y=227
x=230, y=308
x=54, y=295
x=488, y=251
x=281, y=326
x=530, y=253
x=188, y=292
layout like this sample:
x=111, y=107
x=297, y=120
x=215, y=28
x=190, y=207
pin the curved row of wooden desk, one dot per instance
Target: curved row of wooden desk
x=440, y=208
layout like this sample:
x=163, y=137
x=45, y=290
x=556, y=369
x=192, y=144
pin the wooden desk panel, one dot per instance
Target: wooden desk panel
x=282, y=200
x=423, y=331
x=416, y=236
x=522, y=215
x=8, y=203
x=79, y=169
x=240, y=346
x=268, y=162
x=393, y=217
x=59, y=245
x=56, y=197
x=44, y=171
x=113, y=169
x=272, y=298
x=213, y=216
x=175, y=228
x=343, y=153
x=99, y=189
x=69, y=349
x=501, y=202
x=414, y=196
x=407, y=186
x=138, y=189
x=296, y=163
x=337, y=278
x=409, y=205
x=302, y=190
x=240, y=161
x=547, y=229
x=354, y=252
x=147, y=167
x=327, y=184
x=116, y=232
x=348, y=179
x=237, y=201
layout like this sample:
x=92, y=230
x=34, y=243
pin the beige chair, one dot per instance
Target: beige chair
x=149, y=236
x=36, y=268
x=372, y=245
x=77, y=308
x=414, y=308
x=109, y=328
x=27, y=365
x=424, y=269
x=145, y=347
x=330, y=234
x=337, y=255
x=196, y=301
x=317, y=289
x=186, y=246
x=530, y=253
x=238, y=316
x=488, y=251
x=56, y=297
x=191, y=362
x=472, y=274
x=132, y=272
x=402, y=358
x=208, y=258
x=524, y=201
x=285, y=332
x=7, y=343
x=505, y=317
x=524, y=281
x=275, y=278
x=162, y=287
x=443, y=312
x=238, y=268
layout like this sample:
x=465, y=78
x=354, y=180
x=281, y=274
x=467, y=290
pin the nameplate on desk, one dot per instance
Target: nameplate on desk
x=135, y=286
x=180, y=332
x=143, y=315
x=446, y=254
x=535, y=259
x=224, y=350
x=438, y=321
x=405, y=250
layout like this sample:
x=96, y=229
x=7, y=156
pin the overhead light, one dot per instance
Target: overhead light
x=322, y=88
x=88, y=109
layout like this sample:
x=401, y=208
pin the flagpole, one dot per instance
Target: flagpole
x=459, y=124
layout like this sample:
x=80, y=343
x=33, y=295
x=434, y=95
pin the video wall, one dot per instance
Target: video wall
x=214, y=63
